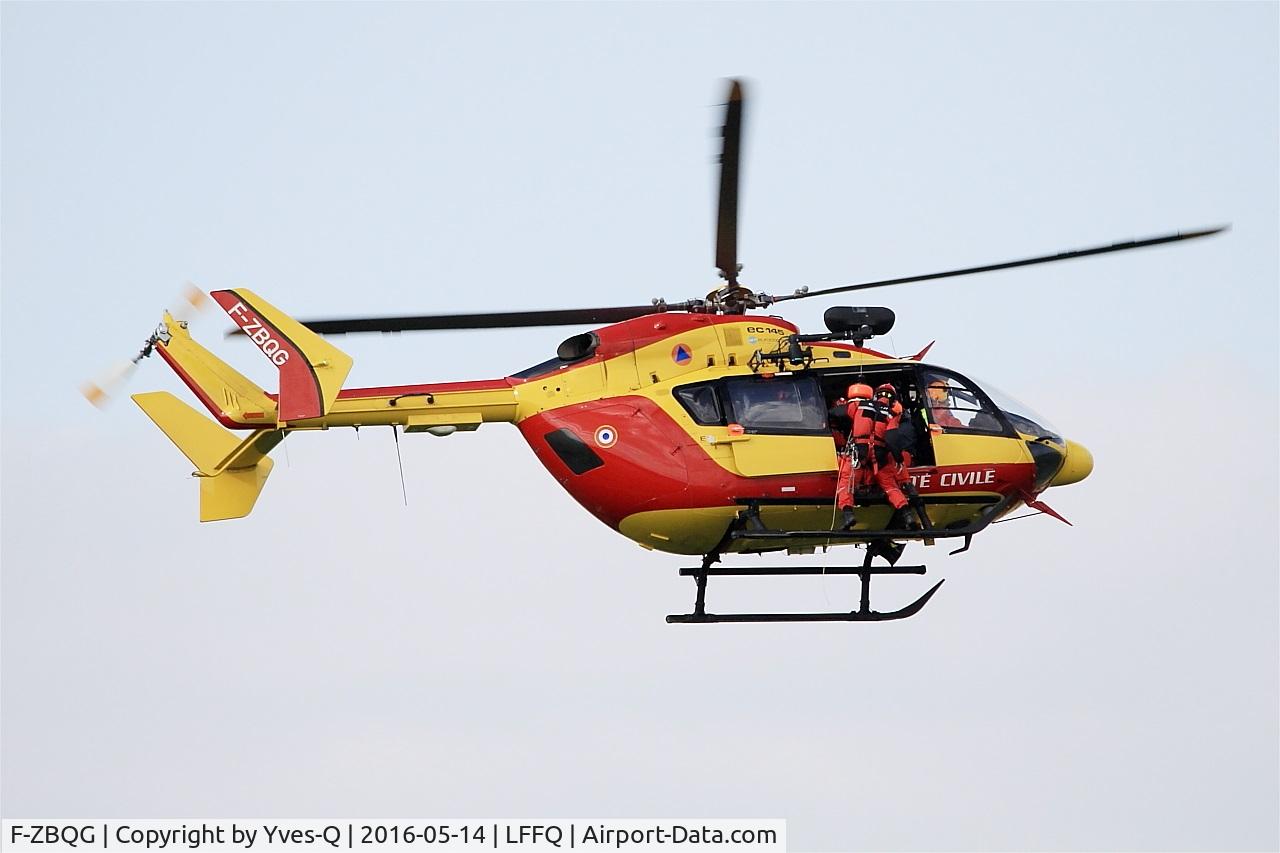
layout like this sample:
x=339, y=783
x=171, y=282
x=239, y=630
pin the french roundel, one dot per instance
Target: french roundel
x=682, y=354
x=606, y=436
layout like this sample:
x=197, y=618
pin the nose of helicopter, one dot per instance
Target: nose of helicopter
x=1077, y=465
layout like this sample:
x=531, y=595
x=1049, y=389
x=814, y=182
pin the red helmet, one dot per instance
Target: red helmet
x=887, y=390
x=858, y=392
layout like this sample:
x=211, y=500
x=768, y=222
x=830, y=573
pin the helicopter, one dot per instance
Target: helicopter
x=696, y=428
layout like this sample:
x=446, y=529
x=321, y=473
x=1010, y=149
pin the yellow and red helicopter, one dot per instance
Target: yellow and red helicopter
x=696, y=428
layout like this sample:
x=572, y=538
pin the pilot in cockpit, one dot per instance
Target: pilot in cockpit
x=939, y=399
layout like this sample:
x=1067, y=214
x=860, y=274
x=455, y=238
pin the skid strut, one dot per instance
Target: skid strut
x=864, y=613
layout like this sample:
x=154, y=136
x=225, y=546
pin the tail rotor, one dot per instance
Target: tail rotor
x=105, y=387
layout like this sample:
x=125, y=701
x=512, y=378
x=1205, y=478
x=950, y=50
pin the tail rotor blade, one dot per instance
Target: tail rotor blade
x=192, y=302
x=102, y=390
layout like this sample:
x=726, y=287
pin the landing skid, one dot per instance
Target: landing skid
x=864, y=613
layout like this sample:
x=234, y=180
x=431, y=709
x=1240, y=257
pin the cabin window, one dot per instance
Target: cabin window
x=953, y=403
x=783, y=405
x=1024, y=419
x=702, y=403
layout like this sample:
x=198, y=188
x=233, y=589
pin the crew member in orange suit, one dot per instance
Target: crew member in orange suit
x=899, y=435
x=848, y=460
x=889, y=454
x=865, y=459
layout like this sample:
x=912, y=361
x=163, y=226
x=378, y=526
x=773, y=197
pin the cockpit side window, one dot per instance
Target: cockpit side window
x=779, y=406
x=953, y=403
x=702, y=403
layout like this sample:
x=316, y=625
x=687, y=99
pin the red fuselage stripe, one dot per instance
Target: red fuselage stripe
x=436, y=388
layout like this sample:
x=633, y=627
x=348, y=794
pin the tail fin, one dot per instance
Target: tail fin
x=232, y=471
x=232, y=398
x=312, y=370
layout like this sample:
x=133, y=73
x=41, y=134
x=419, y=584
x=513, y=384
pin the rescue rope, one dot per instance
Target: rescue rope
x=851, y=451
x=826, y=550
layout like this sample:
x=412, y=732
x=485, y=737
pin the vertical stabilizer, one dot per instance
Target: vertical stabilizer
x=312, y=370
x=232, y=398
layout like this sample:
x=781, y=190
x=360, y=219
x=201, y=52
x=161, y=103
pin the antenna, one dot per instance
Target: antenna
x=395, y=431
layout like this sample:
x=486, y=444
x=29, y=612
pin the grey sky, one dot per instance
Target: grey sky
x=492, y=649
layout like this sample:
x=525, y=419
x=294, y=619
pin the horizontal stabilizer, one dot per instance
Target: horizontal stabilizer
x=232, y=471
x=201, y=440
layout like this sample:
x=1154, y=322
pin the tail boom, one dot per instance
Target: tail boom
x=232, y=470
x=421, y=408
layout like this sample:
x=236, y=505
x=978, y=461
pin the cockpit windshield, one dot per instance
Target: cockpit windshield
x=1026, y=420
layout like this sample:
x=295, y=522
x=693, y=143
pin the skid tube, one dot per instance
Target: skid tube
x=864, y=613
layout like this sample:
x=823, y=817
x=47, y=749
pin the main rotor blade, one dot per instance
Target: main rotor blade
x=497, y=320
x=1025, y=262
x=727, y=217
